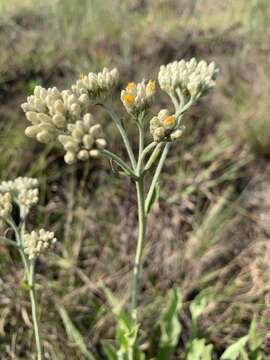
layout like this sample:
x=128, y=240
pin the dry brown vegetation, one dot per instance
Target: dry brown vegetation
x=210, y=229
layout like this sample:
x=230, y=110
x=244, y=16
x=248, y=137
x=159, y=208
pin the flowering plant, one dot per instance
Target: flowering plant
x=23, y=193
x=66, y=117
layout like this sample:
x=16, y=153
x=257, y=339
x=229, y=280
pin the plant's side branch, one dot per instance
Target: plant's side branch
x=153, y=156
x=19, y=243
x=143, y=155
x=156, y=177
x=9, y=242
x=117, y=121
x=123, y=165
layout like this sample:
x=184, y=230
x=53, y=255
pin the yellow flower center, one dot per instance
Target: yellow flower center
x=151, y=86
x=169, y=121
x=129, y=99
x=131, y=86
x=82, y=76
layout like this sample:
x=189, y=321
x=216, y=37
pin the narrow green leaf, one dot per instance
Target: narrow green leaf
x=197, y=306
x=170, y=325
x=74, y=334
x=154, y=198
x=255, y=340
x=198, y=350
x=110, y=352
x=234, y=350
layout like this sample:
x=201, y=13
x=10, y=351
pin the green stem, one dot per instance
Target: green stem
x=119, y=161
x=31, y=283
x=122, y=131
x=139, y=250
x=153, y=156
x=156, y=176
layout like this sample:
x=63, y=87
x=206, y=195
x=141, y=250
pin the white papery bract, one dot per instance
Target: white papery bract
x=190, y=78
x=37, y=242
x=138, y=97
x=5, y=205
x=164, y=126
x=23, y=190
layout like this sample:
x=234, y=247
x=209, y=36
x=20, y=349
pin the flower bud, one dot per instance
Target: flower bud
x=44, y=137
x=83, y=155
x=69, y=157
x=101, y=142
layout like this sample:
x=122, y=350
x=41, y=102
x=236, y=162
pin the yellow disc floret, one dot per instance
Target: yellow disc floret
x=129, y=99
x=169, y=121
x=131, y=86
x=150, y=87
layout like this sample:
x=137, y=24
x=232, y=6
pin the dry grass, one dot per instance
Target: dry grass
x=210, y=228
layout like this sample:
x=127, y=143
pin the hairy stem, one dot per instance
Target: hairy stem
x=122, y=131
x=118, y=160
x=139, y=250
x=156, y=177
x=32, y=293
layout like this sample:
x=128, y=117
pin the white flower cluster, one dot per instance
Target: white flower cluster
x=82, y=139
x=94, y=85
x=163, y=126
x=22, y=190
x=5, y=205
x=190, y=77
x=36, y=243
x=138, y=97
x=50, y=110
x=64, y=115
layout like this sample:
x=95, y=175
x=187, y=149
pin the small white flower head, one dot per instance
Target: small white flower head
x=93, y=85
x=82, y=140
x=163, y=127
x=138, y=97
x=37, y=242
x=5, y=205
x=49, y=111
x=191, y=78
x=23, y=191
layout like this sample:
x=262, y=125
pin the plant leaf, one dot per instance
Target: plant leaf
x=197, y=306
x=255, y=340
x=74, y=334
x=170, y=325
x=234, y=350
x=126, y=330
x=154, y=198
x=110, y=351
x=198, y=350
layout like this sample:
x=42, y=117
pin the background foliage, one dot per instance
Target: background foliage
x=211, y=226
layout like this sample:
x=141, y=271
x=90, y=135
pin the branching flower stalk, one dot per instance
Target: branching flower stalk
x=23, y=193
x=65, y=117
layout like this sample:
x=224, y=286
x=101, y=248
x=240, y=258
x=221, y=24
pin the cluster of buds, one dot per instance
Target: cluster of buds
x=138, y=97
x=23, y=191
x=95, y=85
x=164, y=127
x=189, y=77
x=50, y=110
x=82, y=139
x=36, y=243
x=5, y=205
